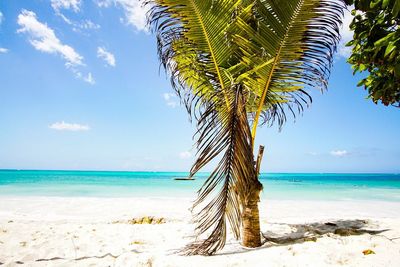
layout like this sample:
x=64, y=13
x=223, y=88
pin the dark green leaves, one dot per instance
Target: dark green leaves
x=376, y=48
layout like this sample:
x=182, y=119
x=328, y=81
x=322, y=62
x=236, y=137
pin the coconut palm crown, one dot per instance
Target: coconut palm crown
x=237, y=64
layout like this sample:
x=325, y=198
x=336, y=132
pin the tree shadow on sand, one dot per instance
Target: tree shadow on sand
x=287, y=234
x=311, y=232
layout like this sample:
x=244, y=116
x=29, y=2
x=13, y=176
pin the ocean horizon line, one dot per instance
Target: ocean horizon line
x=187, y=172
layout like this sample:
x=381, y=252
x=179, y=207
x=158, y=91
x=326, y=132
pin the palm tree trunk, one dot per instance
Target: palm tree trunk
x=251, y=217
x=251, y=222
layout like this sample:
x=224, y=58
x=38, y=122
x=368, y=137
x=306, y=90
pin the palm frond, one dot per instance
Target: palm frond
x=224, y=191
x=191, y=38
x=300, y=36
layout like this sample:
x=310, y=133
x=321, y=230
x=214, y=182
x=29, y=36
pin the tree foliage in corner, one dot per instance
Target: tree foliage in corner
x=376, y=48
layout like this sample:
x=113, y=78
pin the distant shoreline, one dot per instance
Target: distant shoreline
x=186, y=172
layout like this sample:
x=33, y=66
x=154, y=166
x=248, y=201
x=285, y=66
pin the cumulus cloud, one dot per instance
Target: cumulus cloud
x=74, y=5
x=170, y=99
x=64, y=126
x=135, y=12
x=106, y=56
x=44, y=39
x=185, y=155
x=339, y=153
x=347, y=35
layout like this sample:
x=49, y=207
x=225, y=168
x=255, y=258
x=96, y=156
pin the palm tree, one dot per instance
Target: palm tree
x=237, y=64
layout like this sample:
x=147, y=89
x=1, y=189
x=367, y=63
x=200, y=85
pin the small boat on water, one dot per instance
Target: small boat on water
x=183, y=179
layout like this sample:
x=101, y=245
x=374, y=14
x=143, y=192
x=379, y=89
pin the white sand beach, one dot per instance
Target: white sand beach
x=40, y=231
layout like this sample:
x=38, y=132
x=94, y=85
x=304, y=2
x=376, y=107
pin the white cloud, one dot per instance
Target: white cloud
x=65, y=19
x=185, y=155
x=78, y=26
x=44, y=39
x=3, y=50
x=104, y=3
x=89, y=25
x=339, y=153
x=347, y=35
x=89, y=78
x=1, y=17
x=75, y=6
x=86, y=78
x=346, y=32
x=170, y=99
x=135, y=12
x=106, y=56
x=57, y=5
x=64, y=126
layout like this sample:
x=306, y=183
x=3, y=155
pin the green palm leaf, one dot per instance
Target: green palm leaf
x=300, y=37
x=191, y=36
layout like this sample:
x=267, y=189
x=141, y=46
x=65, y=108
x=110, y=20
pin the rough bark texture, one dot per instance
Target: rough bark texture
x=251, y=221
x=251, y=217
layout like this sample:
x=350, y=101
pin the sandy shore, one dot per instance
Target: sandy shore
x=37, y=231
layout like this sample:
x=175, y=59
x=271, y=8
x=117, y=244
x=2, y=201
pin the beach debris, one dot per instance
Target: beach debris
x=147, y=220
x=368, y=252
x=310, y=239
x=144, y=220
x=330, y=224
x=136, y=242
x=183, y=179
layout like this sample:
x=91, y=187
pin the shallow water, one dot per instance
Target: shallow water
x=288, y=186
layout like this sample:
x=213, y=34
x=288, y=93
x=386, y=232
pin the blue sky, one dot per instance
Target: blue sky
x=80, y=88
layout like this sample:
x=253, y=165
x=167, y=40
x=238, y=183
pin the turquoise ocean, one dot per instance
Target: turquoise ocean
x=279, y=186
